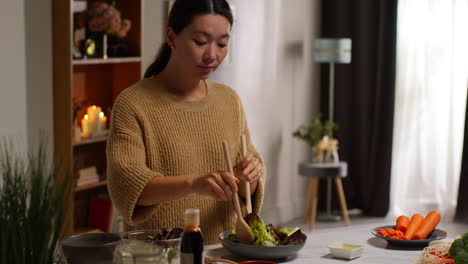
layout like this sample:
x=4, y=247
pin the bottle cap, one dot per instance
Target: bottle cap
x=192, y=216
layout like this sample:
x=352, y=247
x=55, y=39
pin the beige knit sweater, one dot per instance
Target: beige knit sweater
x=154, y=134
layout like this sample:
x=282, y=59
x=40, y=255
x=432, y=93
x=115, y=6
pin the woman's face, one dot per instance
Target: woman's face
x=201, y=46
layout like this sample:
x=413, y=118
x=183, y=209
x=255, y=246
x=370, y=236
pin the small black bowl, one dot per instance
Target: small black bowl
x=90, y=248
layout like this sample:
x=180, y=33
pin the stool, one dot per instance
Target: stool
x=315, y=171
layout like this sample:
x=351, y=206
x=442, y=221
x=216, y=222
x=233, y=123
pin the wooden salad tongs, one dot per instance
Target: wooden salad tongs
x=244, y=234
x=248, y=202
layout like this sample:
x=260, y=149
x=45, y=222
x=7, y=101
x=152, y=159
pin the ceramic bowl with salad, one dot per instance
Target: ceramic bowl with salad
x=269, y=242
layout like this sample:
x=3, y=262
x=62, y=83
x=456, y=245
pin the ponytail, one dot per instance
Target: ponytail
x=160, y=62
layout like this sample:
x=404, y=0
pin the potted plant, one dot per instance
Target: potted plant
x=31, y=206
x=319, y=136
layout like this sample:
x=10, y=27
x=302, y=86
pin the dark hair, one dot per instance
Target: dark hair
x=181, y=15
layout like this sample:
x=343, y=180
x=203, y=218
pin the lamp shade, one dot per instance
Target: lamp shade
x=333, y=50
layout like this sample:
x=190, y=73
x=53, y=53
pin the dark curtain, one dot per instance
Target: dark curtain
x=364, y=98
x=462, y=205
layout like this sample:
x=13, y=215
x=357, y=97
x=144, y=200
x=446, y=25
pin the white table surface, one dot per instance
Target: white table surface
x=376, y=250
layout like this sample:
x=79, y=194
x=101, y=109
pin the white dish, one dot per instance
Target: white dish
x=345, y=250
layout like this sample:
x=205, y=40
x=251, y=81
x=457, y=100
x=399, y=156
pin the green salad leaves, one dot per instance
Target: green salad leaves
x=268, y=235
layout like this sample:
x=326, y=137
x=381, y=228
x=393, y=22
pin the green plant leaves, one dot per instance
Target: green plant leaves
x=313, y=132
x=31, y=206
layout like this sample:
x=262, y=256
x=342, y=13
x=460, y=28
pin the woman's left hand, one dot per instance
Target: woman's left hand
x=250, y=169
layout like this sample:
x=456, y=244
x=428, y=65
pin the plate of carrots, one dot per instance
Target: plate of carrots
x=418, y=231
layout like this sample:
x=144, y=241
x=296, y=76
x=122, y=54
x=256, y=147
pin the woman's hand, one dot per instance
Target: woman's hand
x=220, y=185
x=249, y=169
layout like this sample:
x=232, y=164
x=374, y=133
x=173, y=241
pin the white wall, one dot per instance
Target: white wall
x=272, y=70
x=26, y=71
x=13, y=110
x=154, y=12
x=39, y=72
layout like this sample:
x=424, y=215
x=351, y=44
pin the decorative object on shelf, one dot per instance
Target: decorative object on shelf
x=76, y=133
x=116, y=47
x=103, y=24
x=319, y=136
x=104, y=47
x=87, y=176
x=78, y=105
x=79, y=29
x=76, y=53
x=93, y=113
x=102, y=121
x=85, y=127
x=32, y=195
x=94, y=123
x=94, y=44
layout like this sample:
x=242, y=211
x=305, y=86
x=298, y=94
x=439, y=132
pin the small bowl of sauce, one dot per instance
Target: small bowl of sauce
x=345, y=250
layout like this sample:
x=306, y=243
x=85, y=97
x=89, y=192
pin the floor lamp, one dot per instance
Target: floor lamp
x=331, y=51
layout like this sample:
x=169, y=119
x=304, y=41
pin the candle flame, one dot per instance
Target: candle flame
x=86, y=117
x=101, y=114
x=94, y=107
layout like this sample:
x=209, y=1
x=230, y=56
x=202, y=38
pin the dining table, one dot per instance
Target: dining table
x=375, y=249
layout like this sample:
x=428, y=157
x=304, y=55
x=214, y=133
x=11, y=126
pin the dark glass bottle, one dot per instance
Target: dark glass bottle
x=191, y=246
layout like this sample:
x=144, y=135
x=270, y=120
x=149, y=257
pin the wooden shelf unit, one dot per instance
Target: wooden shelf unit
x=84, y=142
x=90, y=186
x=106, y=61
x=98, y=81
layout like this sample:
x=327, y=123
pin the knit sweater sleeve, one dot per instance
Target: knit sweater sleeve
x=126, y=168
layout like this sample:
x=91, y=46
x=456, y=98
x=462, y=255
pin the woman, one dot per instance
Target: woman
x=164, y=151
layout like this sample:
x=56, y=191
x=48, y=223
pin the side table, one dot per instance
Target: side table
x=316, y=171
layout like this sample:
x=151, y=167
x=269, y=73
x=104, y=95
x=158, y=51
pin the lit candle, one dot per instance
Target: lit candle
x=93, y=119
x=85, y=127
x=104, y=48
x=93, y=112
x=102, y=122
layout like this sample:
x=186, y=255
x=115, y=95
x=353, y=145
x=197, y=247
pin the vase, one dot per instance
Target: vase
x=325, y=151
x=116, y=47
x=317, y=155
x=76, y=133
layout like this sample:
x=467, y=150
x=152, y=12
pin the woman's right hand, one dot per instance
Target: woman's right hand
x=220, y=185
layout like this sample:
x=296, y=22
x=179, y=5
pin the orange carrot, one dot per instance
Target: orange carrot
x=402, y=223
x=392, y=233
x=428, y=225
x=416, y=221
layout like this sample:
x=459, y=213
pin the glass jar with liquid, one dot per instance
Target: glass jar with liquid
x=191, y=247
